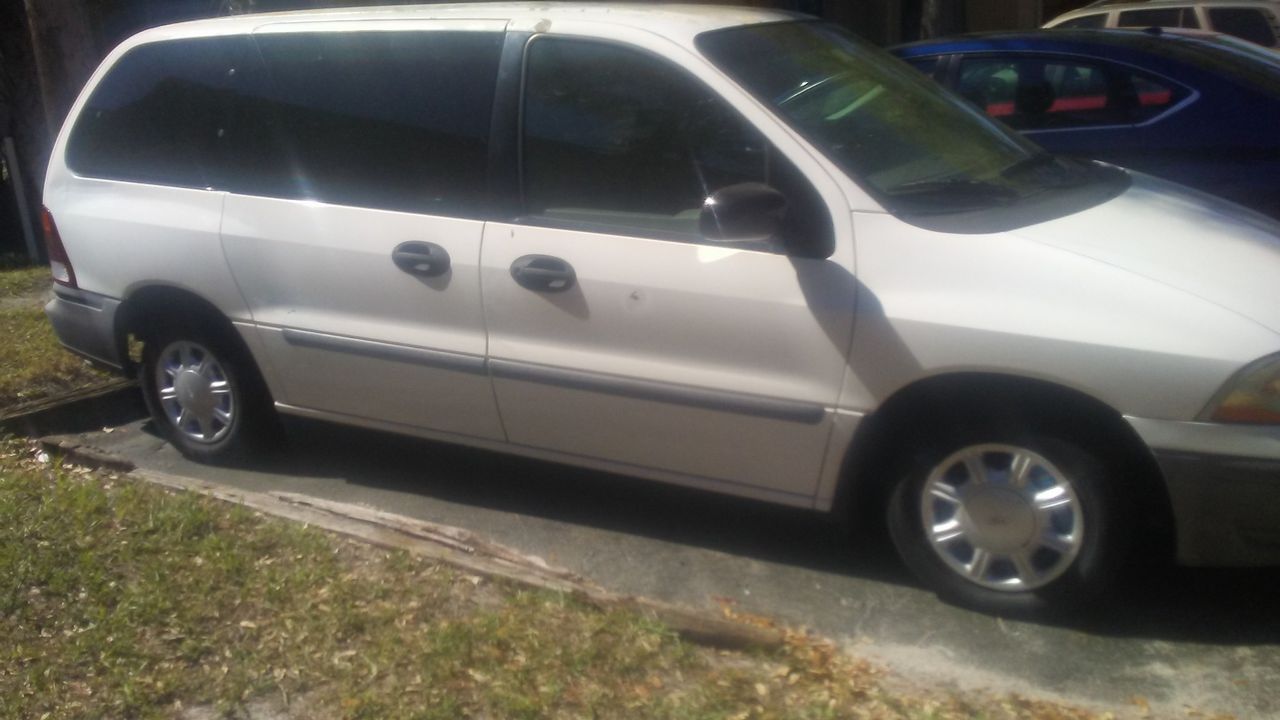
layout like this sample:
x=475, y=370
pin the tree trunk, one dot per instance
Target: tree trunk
x=21, y=118
x=65, y=54
x=939, y=18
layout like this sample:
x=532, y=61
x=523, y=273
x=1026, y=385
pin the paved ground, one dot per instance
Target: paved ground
x=1206, y=640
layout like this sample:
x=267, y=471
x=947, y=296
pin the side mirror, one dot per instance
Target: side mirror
x=743, y=213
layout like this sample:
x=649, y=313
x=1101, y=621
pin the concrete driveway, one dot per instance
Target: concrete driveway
x=1182, y=640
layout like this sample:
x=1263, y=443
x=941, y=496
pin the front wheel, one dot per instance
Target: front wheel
x=1009, y=522
x=205, y=394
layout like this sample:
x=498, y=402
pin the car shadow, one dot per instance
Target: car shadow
x=507, y=483
x=1152, y=601
x=1218, y=606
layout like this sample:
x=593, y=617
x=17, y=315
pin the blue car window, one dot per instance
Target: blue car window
x=1031, y=93
x=926, y=65
x=989, y=84
x=1154, y=96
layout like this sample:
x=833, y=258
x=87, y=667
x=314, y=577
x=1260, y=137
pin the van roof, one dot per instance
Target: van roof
x=1103, y=6
x=681, y=19
x=1113, y=3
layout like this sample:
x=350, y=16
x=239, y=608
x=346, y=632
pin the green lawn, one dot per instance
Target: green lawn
x=33, y=366
x=16, y=282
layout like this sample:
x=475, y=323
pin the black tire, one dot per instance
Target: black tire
x=248, y=423
x=1069, y=581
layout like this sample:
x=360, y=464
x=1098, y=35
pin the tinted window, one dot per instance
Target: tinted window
x=1172, y=17
x=1088, y=21
x=926, y=65
x=619, y=140
x=158, y=113
x=886, y=125
x=1032, y=93
x=1248, y=23
x=925, y=154
x=1153, y=96
x=394, y=120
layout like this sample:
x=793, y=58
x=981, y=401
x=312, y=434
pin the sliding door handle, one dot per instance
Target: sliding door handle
x=421, y=258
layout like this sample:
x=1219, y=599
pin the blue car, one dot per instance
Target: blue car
x=1201, y=110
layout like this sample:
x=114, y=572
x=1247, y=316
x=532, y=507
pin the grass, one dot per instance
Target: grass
x=118, y=599
x=33, y=365
x=15, y=282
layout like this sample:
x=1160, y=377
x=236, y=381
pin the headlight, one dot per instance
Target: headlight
x=1252, y=396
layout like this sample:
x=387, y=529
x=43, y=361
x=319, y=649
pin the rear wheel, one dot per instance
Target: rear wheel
x=1009, y=521
x=205, y=394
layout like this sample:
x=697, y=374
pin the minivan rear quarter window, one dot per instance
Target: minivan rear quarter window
x=156, y=117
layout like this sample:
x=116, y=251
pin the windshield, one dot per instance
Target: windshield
x=915, y=147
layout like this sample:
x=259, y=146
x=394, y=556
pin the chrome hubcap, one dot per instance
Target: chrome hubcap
x=1002, y=517
x=195, y=392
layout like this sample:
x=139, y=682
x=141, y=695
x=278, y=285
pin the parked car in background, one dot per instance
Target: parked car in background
x=623, y=237
x=1202, y=111
x=1257, y=22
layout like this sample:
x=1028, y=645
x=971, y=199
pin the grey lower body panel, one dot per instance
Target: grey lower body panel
x=85, y=324
x=1224, y=487
x=720, y=400
x=460, y=362
x=1227, y=510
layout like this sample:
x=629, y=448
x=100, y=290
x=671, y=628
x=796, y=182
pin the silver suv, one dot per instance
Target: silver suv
x=1257, y=21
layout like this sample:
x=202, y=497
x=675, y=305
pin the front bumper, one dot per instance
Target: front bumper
x=1224, y=487
x=85, y=324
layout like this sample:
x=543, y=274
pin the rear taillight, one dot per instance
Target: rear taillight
x=63, y=273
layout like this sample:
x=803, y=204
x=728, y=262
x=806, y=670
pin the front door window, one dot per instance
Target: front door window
x=635, y=146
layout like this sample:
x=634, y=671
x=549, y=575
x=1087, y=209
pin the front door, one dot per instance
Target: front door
x=616, y=330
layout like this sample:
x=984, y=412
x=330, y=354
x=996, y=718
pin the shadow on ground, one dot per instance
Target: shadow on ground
x=1214, y=606
x=582, y=497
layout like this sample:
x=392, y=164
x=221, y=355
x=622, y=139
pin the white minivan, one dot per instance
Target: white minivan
x=732, y=249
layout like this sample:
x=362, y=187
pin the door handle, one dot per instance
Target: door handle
x=421, y=258
x=543, y=273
